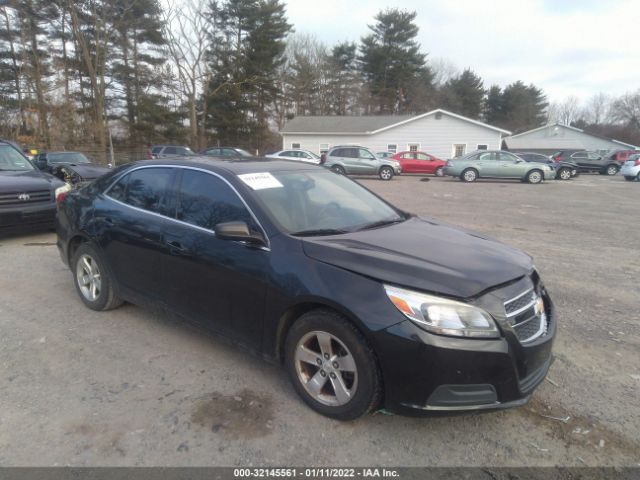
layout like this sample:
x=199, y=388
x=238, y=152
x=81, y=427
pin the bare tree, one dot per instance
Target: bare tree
x=186, y=31
x=564, y=112
x=626, y=110
x=443, y=70
x=596, y=111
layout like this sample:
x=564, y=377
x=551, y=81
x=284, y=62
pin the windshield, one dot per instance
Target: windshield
x=12, y=160
x=322, y=203
x=67, y=158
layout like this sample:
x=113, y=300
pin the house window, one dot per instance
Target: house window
x=413, y=147
x=324, y=148
x=482, y=146
x=295, y=146
x=459, y=149
x=392, y=148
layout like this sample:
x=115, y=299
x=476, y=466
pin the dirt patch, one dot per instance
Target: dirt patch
x=573, y=429
x=244, y=415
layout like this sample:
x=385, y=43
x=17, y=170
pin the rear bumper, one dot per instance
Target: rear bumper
x=630, y=171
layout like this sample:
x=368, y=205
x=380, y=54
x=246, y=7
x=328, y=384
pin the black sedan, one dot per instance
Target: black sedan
x=27, y=196
x=366, y=305
x=565, y=170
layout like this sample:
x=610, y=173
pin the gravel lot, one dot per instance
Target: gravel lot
x=131, y=387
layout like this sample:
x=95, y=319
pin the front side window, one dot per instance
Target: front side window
x=489, y=156
x=286, y=154
x=205, y=200
x=170, y=151
x=579, y=155
x=594, y=156
x=366, y=154
x=185, y=151
x=507, y=157
x=146, y=189
x=422, y=156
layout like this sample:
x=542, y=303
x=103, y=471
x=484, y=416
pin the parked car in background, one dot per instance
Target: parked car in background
x=588, y=161
x=354, y=160
x=420, y=162
x=384, y=154
x=74, y=168
x=169, y=151
x=621, y=156
x=225, y=152
x=497, y=164
x=306, y=156
x=631, y=168
x=366, y=306
x=27, y=195
x=564, y=170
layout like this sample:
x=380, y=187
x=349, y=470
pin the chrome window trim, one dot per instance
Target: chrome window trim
x=207, y=230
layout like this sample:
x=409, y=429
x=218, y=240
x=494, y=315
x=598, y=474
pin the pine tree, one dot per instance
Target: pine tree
x=523, y=107
x=464, y=94
x=391, y=61
x=494, y=106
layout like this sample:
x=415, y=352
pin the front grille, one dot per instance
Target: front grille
x=15, y=199
x=528, y=320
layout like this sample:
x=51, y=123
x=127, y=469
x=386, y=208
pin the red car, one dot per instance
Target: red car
x=420, y=162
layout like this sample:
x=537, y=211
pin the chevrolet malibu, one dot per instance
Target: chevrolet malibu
x=367, y=306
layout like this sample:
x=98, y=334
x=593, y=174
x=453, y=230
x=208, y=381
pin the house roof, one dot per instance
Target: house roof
x=509, y=140
x=364, y=125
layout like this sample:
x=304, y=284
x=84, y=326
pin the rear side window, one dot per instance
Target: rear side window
x=205, y=200
x=145, y=188
x=170, y=151
x=156, y=150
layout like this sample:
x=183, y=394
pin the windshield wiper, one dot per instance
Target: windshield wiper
x=380, y=223
x=318, y=232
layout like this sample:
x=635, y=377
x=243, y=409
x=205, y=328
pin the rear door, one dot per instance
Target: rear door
x=130, y=218
x=220, y=284
x=487, y=164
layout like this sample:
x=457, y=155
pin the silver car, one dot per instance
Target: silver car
x=631, y=168
x=305, y=156
x=354, y=160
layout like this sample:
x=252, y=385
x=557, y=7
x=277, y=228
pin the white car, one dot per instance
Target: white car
x=299, y=155
x=631, y=168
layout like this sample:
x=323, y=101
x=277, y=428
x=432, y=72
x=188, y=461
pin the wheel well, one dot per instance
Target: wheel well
x=73, y=246
x=293, y=314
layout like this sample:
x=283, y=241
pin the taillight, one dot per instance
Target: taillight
x=637, y=163
x=61, y=196
x=149, y=155
x=62, y=192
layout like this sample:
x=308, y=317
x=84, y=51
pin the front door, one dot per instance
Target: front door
x=218, y=283
x=367, y=162
x=511, y=166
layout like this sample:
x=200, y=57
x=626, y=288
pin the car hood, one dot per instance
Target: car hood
x=424, y=254
x=27, y=181
x=86, y=171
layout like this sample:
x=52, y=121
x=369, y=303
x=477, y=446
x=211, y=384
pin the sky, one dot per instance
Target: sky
x=566, y=47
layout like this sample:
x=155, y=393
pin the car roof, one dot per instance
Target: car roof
x=236, y=166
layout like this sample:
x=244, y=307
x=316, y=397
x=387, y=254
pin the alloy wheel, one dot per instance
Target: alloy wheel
x=565, y=174
x=612, y=170
x=88, y=277
x=326, y=369
x=386, y=174
x=535, y=177
x=469, y=176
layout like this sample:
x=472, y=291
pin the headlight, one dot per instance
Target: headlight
x=443, y=316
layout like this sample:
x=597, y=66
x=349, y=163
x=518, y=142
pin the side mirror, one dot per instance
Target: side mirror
x=238, y=231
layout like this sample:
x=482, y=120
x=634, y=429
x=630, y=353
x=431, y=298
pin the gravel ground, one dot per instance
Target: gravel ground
x=132, y=387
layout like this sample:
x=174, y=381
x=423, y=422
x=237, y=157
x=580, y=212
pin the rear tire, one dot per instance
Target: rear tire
x=92, y=279
x=611, y=170
x=338, y=169
x=332, y=366
x=629, y=178
x=535, y=176
x=385, y=173
x=469, y=175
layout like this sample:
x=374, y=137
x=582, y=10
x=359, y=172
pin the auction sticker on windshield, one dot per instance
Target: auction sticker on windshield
x=260, y=181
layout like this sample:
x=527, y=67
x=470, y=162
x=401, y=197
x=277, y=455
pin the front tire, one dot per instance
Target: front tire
x=92, y=279
x=469, y=175
x=564, y=174
x=386, y=173
x=440, y=172
x=332, y=366
x=629, y=178
x=338, y=169
x=535, y=177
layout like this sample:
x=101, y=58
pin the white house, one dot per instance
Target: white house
x=551, y=138
x=440, y=133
